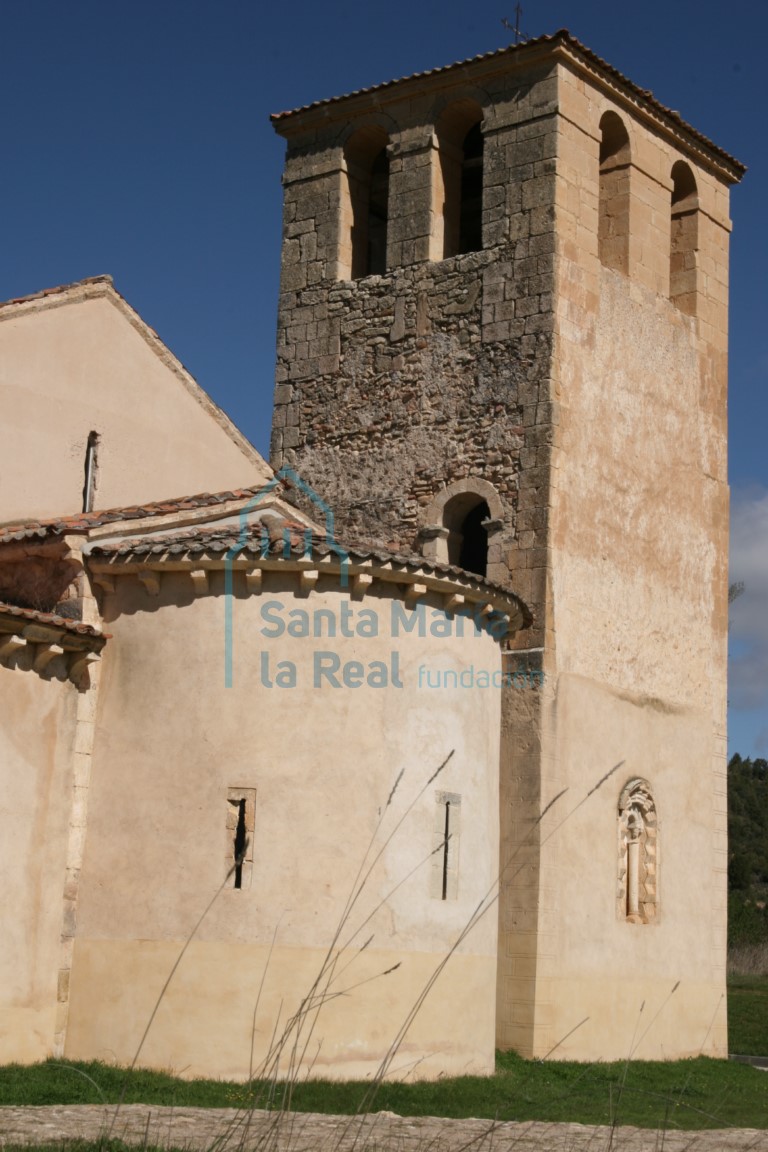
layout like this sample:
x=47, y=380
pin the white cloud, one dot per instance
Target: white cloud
x=748, y=671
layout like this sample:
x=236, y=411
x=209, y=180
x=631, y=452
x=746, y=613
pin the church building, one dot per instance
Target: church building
x=410, y=744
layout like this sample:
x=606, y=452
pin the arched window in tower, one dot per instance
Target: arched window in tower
x=364, y=204
x=471, y=209
x=637, y=895
x=464, y=517
x=613, y=218
x=457, y=182
x=684, y=238
x=378, y=196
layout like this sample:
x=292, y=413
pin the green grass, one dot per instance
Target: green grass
x=748, y=1015
x=688, y=1094
x=101, y=1145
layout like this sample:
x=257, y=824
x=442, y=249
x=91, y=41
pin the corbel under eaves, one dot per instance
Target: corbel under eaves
x=150, y=580
x=45, y=654
x=79, y=665
x=199, y=578
x=11, y=644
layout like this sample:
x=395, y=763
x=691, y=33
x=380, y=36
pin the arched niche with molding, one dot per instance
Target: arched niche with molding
x=638, y=847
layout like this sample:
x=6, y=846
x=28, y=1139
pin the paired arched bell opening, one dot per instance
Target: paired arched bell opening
x=615, y=214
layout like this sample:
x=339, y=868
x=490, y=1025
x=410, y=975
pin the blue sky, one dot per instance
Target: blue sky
x=136, y=141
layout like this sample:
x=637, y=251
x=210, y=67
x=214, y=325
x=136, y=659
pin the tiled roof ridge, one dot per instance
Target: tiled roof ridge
x=225, y=538
x=82, y=521
x=52, y=619
x=275, y=526
x=60, y=289
x=563, y=36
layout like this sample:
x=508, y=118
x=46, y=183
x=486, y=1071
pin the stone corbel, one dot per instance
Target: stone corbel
x=104, y=581
x=80, y=664
x=11, y=644
x=307, y=580
x=45, y=653
x=361, y=582
x=455, y=603
x=253, y=580
x=199, y=578
x=150, y=580
x=414, y=592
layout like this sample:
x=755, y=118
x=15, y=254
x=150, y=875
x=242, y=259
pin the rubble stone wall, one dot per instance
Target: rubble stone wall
x=391, y=388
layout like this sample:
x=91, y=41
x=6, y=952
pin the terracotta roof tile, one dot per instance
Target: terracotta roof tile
x=562, y=36
x=83, y=521
x=55, y=621
x=58, y=290
x=268, y=538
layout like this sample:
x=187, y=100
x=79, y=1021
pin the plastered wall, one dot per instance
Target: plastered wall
x=637, y=614
x=171, y=741
x=36, y=753
x=83, y=362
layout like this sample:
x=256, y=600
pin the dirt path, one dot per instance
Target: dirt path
x=199, y=1128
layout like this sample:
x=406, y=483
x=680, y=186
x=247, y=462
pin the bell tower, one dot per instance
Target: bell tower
x=502, y=344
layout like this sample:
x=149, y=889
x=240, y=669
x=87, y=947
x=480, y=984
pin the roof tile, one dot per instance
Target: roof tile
x=269, y=538
x=52, y=619
x=83, y=521
x=562, y=36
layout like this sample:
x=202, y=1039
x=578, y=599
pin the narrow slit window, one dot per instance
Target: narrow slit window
x=445, y=848
x=241, y=809
x=91, y=465
x=241, y=843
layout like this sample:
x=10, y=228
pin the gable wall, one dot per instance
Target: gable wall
x=70, y=368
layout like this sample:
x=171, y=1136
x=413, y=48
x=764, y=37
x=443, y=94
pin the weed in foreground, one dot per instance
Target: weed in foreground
x=699, y=1093
x=662, y=1096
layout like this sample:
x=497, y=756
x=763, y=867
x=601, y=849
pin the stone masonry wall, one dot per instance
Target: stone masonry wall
x=391, y=388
